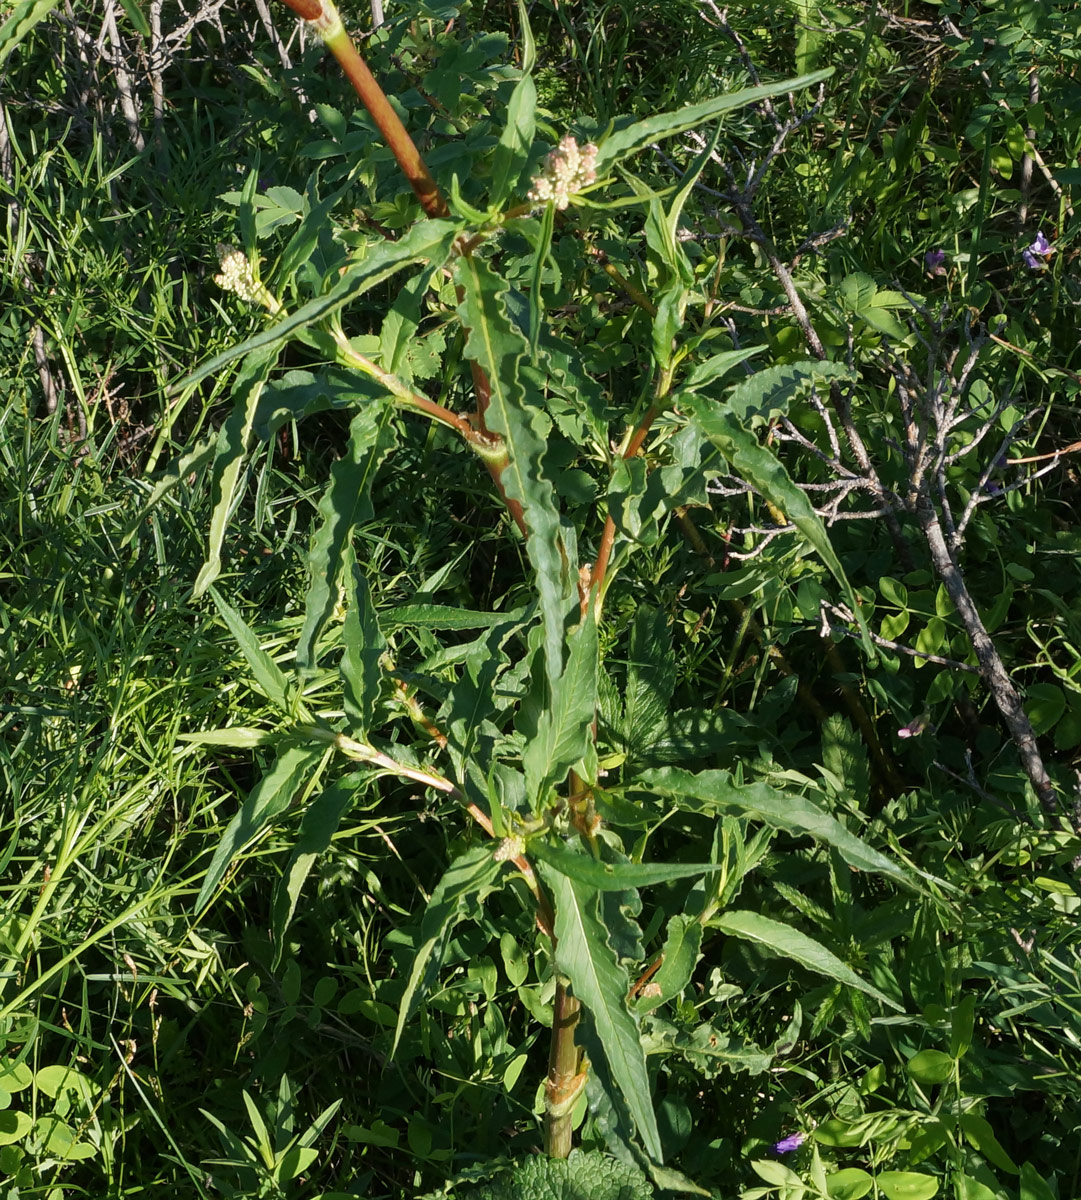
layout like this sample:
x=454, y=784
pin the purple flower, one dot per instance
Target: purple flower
x=790, y=1143
x=933, y=262
x=1035, y=256
x=916, y=727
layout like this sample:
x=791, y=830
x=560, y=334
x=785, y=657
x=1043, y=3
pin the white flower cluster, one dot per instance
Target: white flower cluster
x=237, y=277
x=568, y=169
x=509, y=848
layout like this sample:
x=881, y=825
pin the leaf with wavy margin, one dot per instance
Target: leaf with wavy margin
x=719, y=793
x=234, y=440
x=641, y=134
x=792, y=943
x=270, y=797
x=496, y=344
x=346, y=503
x=761, y=468
x=600, y=983
x=465, y=881
x=430, y=241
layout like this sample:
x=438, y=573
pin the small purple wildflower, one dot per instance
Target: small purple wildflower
x=790, y=1143
x=916, y=727
x=933, y=262
x=1035, y=256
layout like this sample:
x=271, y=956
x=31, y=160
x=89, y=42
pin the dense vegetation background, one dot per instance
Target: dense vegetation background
x=922, y=207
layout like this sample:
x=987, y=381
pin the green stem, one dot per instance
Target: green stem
x=565, y=1079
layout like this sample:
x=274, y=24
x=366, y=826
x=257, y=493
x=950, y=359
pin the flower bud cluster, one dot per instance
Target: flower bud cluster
x=568, y=169
x=238, y=277
x=510, y=848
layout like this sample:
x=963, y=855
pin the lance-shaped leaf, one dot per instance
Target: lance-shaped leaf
x=641, y=134
x=563, y=731
x=346, y=502
x=682, y=949
x=430, y=241
x=515, y=142
x=232, y=445
x=270, y=797
x=268, y=675
x=791, y=943
x=496, y=344
x=718, y=792
x=612, y=877
x=460, y=890
x=765, y=472
x=364, y=645
x=769, y=392
x=600, y=983
x=24, y=15
x=318, y=826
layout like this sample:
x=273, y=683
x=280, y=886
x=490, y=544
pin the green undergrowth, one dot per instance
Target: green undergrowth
x=180, y=1021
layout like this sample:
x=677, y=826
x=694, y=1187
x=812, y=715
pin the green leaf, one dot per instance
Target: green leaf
x=770, y=392
x=497, y=346
x=795, y=814
x=14, y=1126
x=931, y=1066
x=266, y=672
x=443, y=616
x=632, y=138
x=563, y=731
x=317, y=828
x=906, y=1185
x=761, y=468
x=1033, y=1185
x=363, y=647
x=346, y=503
x=1044, y=703
x=651, y=679
x=234, y=441
x=22, y=19
x=460, y=891
x=600, y=983
x=611, y=877
x=270, y=797
x=429, y=241
x=979, y=1132
x=516, y=141
x=682, y=950
x=717, y=367
x=54, y=1079
x=849, y=1184
x=136, y=17
x=14, y=1076
x=791, y=943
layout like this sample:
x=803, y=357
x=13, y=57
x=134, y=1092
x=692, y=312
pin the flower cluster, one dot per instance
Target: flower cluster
x=510, y=848
x=238, y=277
x=1038, y=253
x=568, y=169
